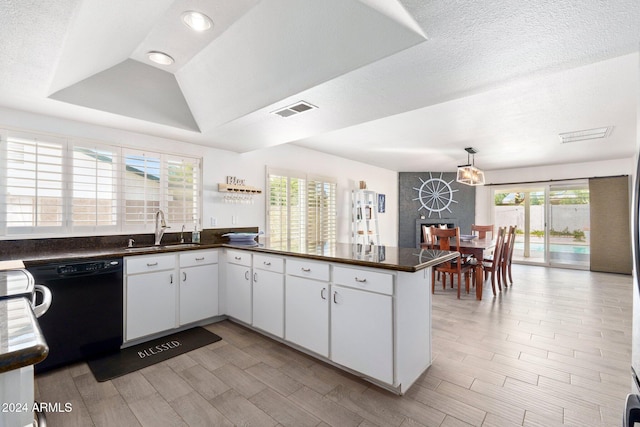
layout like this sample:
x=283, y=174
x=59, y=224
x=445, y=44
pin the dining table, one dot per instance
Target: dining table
x=476, y=247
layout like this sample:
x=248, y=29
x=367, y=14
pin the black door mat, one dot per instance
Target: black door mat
x=140, y=356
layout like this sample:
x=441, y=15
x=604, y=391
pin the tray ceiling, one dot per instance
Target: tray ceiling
x=404, y=84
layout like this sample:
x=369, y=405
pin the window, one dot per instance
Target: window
x=94, y=187
x=34, y=184
x=181, y=191
x=301, y=210
x=141, y=188
x=53, y=185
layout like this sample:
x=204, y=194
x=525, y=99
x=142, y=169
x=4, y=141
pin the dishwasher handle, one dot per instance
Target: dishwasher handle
x=47, y=297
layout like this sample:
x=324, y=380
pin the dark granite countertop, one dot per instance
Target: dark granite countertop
x=70, y=255
x=41, y=251
x=385, y=257
x=69, y=249
x=21, y=341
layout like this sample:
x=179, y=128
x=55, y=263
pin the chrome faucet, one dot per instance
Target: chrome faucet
x=182, y=234
x=161, y=226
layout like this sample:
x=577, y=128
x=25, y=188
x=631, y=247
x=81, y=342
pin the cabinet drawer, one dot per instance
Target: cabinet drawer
x=309, y=269
x=364, y=279
x=239, y=257
x=191, y=258
x=268, y=263
x=145, y=264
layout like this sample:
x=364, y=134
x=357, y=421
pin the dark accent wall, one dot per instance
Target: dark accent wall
x=461, y=212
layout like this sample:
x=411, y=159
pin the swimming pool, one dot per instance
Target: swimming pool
x=554, y=247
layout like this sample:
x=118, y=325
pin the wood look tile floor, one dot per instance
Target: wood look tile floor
x=552, y=350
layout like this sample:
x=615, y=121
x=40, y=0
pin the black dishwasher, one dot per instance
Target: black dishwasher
x=85, y=318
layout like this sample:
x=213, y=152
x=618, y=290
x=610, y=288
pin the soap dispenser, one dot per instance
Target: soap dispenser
x=195, y=236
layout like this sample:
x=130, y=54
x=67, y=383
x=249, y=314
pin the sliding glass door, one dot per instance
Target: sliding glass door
x=552, y=222
x=524, y=208
x=569, y=225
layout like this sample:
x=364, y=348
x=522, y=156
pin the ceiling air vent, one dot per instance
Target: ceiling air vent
x=292, y=110
x=583, y=135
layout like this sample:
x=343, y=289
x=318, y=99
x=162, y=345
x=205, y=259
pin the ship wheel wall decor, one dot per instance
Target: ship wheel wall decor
x=435, y=195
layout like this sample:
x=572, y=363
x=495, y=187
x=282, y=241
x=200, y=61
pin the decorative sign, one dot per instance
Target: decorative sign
x=381, y=203
x=435, y=195
x=234, y=180
x=158, y=349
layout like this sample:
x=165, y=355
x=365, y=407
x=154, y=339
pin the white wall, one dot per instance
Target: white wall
x=252, y=167
x=218, y=164
x=484, y=200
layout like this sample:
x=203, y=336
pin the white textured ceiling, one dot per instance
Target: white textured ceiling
x=402, y=84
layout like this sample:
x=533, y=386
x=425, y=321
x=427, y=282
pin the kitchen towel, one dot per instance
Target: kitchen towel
x=140, y=356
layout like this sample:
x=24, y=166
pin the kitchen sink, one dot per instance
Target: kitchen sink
x=162, y=247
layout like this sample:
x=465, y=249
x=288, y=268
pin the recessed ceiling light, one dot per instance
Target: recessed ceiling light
x=160, y=58
x=196, y=21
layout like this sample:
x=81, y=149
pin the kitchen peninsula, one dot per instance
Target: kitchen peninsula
x=365, y=309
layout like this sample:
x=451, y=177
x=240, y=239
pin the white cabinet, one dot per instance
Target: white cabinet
x=198, y=285
x=238, y=285
x=362, y=321
x=307, y=304
x=362, y=332
x=150, y=295
x=307, y=314
x=164, y=291
x=309, y=269
x=268, y=294
x=371, y=321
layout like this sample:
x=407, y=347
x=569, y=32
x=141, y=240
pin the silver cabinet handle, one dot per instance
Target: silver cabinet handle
x=237, y=258
x=255, y=277
x=266, y=263
x=360, y=280
x=152, y=264
x=246, y=275
x=200, y=259
x=184, y=276
x=306, y=270
x=334, y=297
x=171, y=278
x=322, y=291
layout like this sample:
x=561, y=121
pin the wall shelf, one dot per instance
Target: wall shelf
x=236, y=193
x=231, y=188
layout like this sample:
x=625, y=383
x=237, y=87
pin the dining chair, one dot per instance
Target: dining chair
x=426, y=235
x=493, y=264
x=482, y=230
x=507, y=254
x=443, y=239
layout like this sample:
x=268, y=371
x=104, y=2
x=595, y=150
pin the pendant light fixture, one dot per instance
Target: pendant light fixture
x=469, y=174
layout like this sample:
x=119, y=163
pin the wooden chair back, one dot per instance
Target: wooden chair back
x=441, y=237
x=509, y=243
x=482, y=230
x=444, y=239
x=507, y=256
x=499, y=250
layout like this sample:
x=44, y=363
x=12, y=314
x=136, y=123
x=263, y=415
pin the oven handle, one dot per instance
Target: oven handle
x=41, y=309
